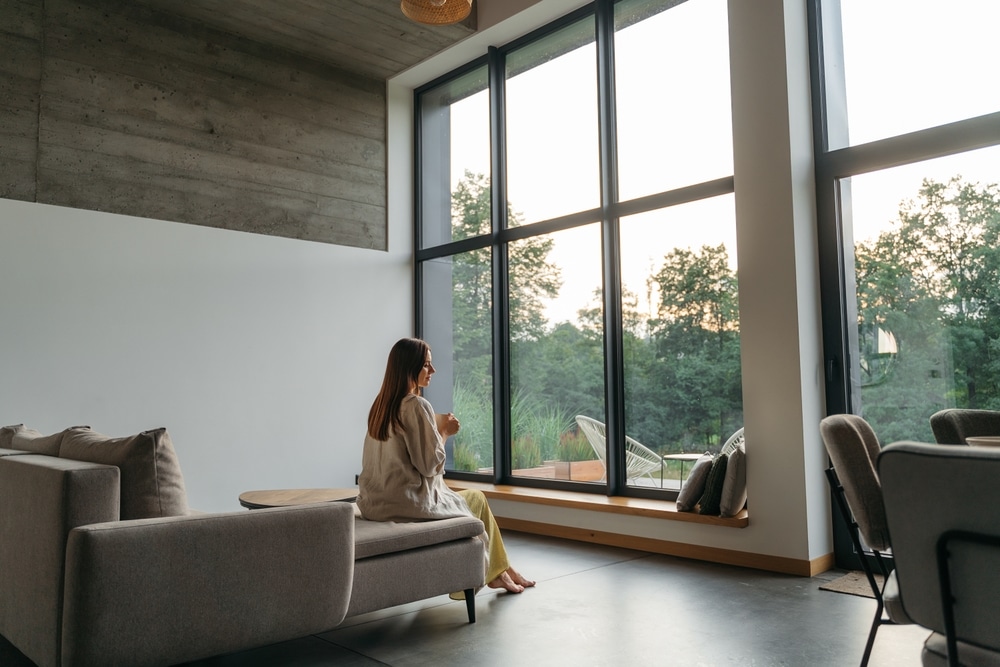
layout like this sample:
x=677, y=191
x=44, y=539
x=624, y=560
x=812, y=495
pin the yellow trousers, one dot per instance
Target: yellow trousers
x=496, y=554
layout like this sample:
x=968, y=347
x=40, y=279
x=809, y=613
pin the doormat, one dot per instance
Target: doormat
x=853, y=583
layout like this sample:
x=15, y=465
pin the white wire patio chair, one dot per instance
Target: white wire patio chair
x=733, y=442
x=640, y=461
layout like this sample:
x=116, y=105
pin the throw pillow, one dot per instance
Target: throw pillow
x=734, y=490
x=694, y=485
x=709, y=502
x=151, y=480
x=30, y=440
x=7, y=434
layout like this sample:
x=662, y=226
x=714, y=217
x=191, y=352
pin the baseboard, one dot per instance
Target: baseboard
x=803, y=568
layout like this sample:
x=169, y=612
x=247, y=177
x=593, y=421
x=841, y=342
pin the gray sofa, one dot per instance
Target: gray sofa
x=102, y=563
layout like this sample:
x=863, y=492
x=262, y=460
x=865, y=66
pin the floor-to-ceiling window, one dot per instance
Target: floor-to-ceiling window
x=908, y=171
x=680, y=317
x=908, y=167
x=456, y=287
x=576, y=259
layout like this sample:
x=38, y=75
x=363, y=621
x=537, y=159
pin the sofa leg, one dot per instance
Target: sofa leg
x=470, y=603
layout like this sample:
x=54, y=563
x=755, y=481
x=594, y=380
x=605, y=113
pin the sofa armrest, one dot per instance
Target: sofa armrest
x=170, y=590
x=42, y=498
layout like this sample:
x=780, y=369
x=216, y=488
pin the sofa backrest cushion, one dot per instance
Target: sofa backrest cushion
x=151, y=481
x=7, y=433
x=30, y=440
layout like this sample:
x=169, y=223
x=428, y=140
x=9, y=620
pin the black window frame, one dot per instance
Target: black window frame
x=835, y=239
x=608, y=215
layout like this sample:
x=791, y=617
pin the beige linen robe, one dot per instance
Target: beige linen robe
x=402, y=478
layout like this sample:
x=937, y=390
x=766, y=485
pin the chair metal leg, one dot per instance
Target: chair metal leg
x=470, y=603
x=845, y=510
x=876, y=622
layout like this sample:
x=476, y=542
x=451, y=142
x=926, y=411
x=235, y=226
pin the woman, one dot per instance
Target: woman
x=402, y=467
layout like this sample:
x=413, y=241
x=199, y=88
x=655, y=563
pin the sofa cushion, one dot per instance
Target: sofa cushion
x=151, y=480
x=30, y=440
x=372, y=538
x=7, y=433
x=12, y=452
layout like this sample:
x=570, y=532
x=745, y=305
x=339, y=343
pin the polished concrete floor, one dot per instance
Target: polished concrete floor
x=597, y=605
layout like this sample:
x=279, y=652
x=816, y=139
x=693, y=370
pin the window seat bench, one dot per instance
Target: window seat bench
x=595, y=502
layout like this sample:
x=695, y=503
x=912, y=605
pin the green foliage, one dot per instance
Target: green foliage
x=695, y=367
x=526, y=453
x=532, y=279
x=465, y=459
x=563, y=369
x=928, y=302
x=574, y=446
x=682, y=384
x=474, y=403
x=932, y=280
x=698, y=291
x=537, y=425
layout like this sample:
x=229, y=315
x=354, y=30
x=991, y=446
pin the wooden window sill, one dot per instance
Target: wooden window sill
x=656, y=509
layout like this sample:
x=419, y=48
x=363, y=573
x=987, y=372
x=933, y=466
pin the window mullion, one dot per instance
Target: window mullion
x=501, y=302
x=614, y=385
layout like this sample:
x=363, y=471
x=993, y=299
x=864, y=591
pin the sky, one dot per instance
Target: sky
x=909, y=64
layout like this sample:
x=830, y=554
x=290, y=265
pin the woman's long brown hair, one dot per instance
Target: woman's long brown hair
x=406, y=360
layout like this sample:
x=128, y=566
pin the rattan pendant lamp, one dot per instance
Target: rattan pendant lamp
x=436, y=12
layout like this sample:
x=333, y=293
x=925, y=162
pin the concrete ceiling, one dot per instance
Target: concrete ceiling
x=371, y=37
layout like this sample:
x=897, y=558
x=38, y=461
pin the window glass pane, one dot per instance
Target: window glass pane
x=556, y=349
x=454, y=147
x=552, y=138
x=457, y=312
x=927, y=270
x=911, y=65
x=673, y=103
x=683, y=383
x=674, y=129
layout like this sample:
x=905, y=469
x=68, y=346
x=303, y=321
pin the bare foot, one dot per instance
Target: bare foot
x=519, y=579
x=506, y=583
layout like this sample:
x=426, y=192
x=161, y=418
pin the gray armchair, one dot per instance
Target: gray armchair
x=853, y=449
x=954, y=425
x=941, y=504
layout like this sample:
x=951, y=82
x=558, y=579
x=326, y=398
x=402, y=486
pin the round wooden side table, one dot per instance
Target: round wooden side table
x=256, y=500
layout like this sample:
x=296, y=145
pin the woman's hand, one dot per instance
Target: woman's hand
x=447, y=425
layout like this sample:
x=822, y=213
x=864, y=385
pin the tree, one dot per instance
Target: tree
x=532, y=278
x=696, y=335
x=698, y=291
x=932, y=281
x=682, y=377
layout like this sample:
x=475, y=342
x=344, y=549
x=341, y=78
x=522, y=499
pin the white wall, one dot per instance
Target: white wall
x=260, y=355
